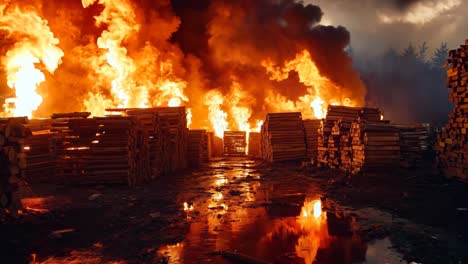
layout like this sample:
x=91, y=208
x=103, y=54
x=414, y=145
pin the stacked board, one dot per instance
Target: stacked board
x=376, y=147
x=216, y=144
x=174, y=120
x=99, y=150
x=13, y=162
x=311, y=130
x=452, y=142
x=254, y=144
x=197, y=152
x=415, y=143
x=235, y=143
x=282, y=137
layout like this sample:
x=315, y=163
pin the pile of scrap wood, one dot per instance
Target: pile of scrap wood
x=99, y=150
x=40, y=162
x=415, y=143
x=174, y=120
x=254, y=144
x=311, y=130
x=13, y=162
x=452, y=142
x=235, y=143
x=376, y=147
x=282, y=137
x=197, y=152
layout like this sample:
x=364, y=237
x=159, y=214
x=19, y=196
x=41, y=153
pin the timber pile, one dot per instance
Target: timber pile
x=376, y=147
x=13, y=162
x=311, y=129
x=452, y=142
x=174, y=120
x=254, y=144
x=282, y=137
x=40, y=162
x=415, y=143
x=322, y=145
x=197, y=152
x=216, y=145
x=234, y=143
x=99, y=150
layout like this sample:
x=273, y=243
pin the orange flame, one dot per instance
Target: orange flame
x=37, y=45
x=320, y=90
x=218, y=118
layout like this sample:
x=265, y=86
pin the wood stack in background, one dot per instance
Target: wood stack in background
x=311, y=130
x=415, y=143
x=452, y=142
x=254, y=144
x=282, y=137
x=235, y=143
x=322, y=143
x=216, y=145
x=40, y=162
x=376, y=147
x=197, y=152
x=13, y=162
x=174, y=120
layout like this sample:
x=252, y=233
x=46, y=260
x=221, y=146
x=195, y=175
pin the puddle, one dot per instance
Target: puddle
x=267, y=219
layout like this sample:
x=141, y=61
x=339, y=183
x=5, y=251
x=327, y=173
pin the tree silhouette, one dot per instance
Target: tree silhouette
x=440, y=55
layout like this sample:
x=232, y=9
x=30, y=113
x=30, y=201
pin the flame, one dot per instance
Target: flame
x=218, y=118
x=189, y=117
x=36, y=45
x=321, y=91
x=381, y=117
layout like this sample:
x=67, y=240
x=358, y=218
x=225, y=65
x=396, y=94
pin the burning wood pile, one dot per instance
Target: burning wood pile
x=216, y=145
x=235, y=143
x=40, y=162
x=197, y=153
x=254, y=144
x=415, y=143
x=13, y=162
x=375, y=147
x=311, y=129
x=452, y=142
x=282, y=137
x=99, y=150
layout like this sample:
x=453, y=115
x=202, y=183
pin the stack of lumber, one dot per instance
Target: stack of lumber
x=415, y=143
x=197, y=152
x=101, y=150
x=40, y=162
x=235, y=143
x=452, y=142
x=254, y=144
x=13, y=162
x=376, y=147
x=282, y=137
x=216, y=145
x=322, y=145
x=311, y=130
x=174, y=120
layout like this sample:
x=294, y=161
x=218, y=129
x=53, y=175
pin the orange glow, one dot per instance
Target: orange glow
x=187, y=207
x=37, y=45
x=321, y=91
x=218, y=118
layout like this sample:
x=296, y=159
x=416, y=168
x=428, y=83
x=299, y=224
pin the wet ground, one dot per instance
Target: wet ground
x=243, y=211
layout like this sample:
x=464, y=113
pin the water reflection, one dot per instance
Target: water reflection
x=276, y=224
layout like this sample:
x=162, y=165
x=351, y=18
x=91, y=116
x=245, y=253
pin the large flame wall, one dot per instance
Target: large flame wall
x=229, y=62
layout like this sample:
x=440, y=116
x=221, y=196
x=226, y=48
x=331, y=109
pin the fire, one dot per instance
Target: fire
x=321, y=91
x=35, y=45
x=218, y=118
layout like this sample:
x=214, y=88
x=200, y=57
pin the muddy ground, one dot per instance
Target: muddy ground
x=241, y=207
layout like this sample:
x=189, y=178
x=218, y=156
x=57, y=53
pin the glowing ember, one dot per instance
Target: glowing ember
x=187, y=207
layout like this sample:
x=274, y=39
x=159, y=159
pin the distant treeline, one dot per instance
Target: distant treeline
x=408, y=85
